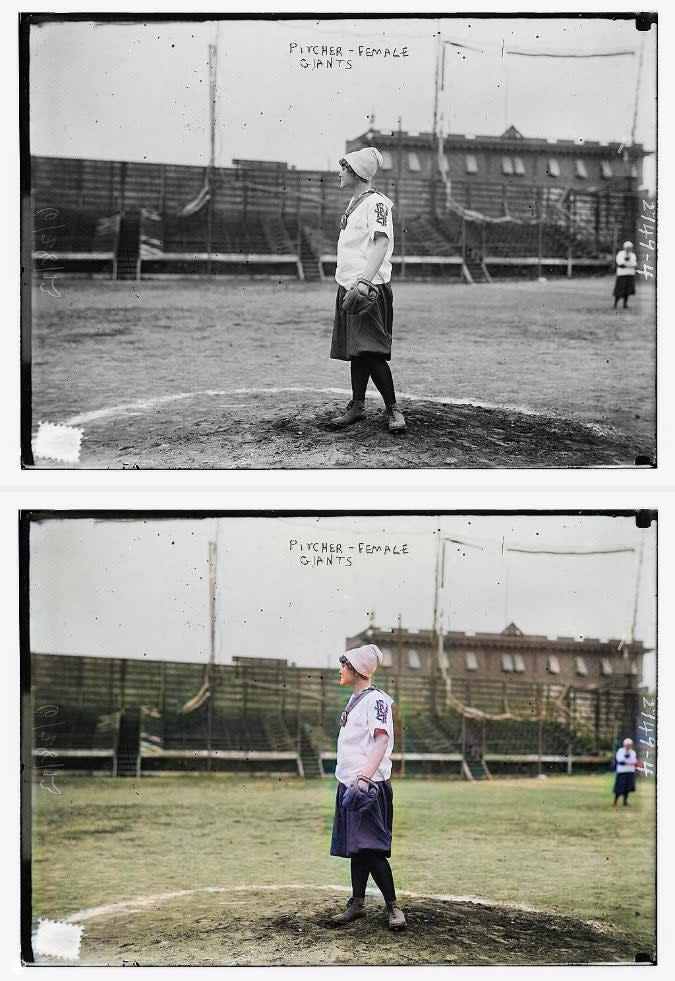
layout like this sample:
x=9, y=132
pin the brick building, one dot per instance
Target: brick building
x=510, y=656
x=511, y=158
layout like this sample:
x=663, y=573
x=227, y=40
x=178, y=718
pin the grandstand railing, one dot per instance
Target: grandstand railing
x=254, y=214
x=176, y=737
x=277, y=712
x=78, y=733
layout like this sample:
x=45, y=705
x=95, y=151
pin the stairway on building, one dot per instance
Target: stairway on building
x=128, y=246
x=310, y=760
x=129, y=743
x=310, y=264
x=477, y=271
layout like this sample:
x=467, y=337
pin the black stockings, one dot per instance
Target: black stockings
x=372, y=863
x=373, y=366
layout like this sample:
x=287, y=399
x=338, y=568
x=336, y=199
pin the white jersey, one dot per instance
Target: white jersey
x=622, y=258
x=626, y=763
x=357, y=240
x=356, y=738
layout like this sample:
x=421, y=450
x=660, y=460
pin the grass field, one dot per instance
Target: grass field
x=235, y=373
x=247, y=862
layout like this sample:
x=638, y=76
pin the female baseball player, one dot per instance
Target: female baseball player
x=626, y=765
x=364, y=747
x=624, y=284
x=362, y=328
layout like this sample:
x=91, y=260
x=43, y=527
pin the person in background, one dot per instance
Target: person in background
x=364, y=747
x=626, y=765
x=624, y=284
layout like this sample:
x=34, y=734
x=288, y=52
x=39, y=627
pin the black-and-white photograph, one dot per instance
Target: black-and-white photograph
x=336, y=241
x=301, y=739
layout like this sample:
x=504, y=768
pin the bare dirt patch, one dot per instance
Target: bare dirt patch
x=291, y=926
x=292, y=429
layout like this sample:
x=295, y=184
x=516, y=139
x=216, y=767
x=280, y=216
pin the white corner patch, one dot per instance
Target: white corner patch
x=58, y=442
x=54, y=938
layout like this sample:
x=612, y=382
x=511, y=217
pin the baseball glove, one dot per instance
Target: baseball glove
x=356, y=799
x=357, y=300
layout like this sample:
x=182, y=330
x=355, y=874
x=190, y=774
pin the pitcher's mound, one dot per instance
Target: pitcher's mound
x=290, y=926
x=292, y=429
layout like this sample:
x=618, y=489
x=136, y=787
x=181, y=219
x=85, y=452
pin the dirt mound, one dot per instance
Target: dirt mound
x=291, y=429
x=289, y=926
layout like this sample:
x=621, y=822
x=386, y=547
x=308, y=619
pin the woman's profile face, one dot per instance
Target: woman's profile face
x=347, y=179
x=347, y=674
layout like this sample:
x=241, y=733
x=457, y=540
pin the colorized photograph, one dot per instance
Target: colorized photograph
x=339, y=739
x=333, y=242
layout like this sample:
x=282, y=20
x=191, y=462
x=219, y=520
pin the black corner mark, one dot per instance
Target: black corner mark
x=644, y=461
x=644, y=20
x=643, y=958
x=643, y=519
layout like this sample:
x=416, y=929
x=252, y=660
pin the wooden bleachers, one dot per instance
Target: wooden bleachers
x=272, y=717
x=76, y=733
x=255, y=736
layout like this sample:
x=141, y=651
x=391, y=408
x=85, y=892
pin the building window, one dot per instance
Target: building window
x=553, y=167
x=518, y=166
x=507, y=166
x=633, y=668
x=634, y=170
x=507, y=662
x=606, y=666
x=471, y=661
x=518, y=663
x=581, y=170
x=580, y=665
x=606, y=169
x=413, y=659
x=386, y=160
x=414, y=162
x=387, y=657
x=471, y=164
x=553, y=664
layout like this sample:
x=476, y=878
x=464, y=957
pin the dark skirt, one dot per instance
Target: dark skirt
x=624, y=286
x=624, y=783
x=356, y=831
x=364, y=333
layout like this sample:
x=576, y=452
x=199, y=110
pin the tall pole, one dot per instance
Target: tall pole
x=629, y=154
x=637, y=91
x=441, y=657
x=401, y=223
x=213, y=60
x=213, y=573
x=437, y=76
x=213, y=565
x=636, y=598
x=434, y=134
x=437, y=578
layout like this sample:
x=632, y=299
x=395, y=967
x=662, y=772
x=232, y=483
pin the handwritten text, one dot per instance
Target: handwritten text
x=329, y=553
x=46, y=718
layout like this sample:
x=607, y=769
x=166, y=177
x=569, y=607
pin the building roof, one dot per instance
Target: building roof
x=511, y=637
x=510, y=139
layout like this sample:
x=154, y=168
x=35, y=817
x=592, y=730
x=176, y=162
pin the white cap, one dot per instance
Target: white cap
x=364, y=162
x=365, y=659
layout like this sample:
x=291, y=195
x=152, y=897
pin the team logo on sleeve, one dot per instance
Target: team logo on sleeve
x=381, y=710
x=381, y=213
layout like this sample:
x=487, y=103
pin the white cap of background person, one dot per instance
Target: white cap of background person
x=628, y=742
x=627, y=246
x=365, y=660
